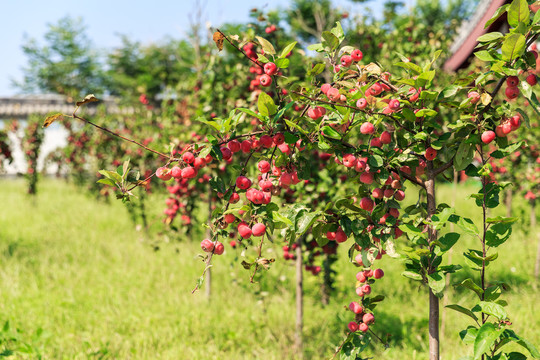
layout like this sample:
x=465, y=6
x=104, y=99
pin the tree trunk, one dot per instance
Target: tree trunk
x=299, y=300
x=445, y=299
x=432, y=236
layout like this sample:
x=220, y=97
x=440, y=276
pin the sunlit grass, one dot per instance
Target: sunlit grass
x=79, y=270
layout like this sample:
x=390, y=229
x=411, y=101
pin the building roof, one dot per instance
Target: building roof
x=465, y=42
x=21, y=106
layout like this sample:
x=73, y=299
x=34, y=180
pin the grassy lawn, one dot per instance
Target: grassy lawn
x=78, y=281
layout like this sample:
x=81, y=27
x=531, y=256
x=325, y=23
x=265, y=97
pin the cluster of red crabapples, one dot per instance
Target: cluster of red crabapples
x=363, y=319
x=263, y=73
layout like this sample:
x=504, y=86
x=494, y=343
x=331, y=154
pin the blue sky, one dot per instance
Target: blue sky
x=148, y=21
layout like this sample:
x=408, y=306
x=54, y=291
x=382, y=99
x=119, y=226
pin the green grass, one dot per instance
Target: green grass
x=79, y=282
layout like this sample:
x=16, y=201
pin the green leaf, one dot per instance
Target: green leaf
x=448, y=240
x=410, y=66
x=498, y=234
x=513, y=46
x=490, y=37
x=468, y=336
x=504, y=152
x=316, y=70
x=375, y=161
x=426, y=112
x=412, y=275
x=316, y=47
x=280, y=218
x=304, y=221
x=469, y=284
x=107, y=182
x=263, y=59
x=253, y=113
x=266, y=105
x=330, y=132
x=287, y=50
x=468, y=226
x=497, y=14
x=518, y=12
x=484, y=55
x=486, y=337
x=463, y=310
x=464, y=155
x=436, y=282
x=330, y=40
x=338, y=31
x=493, y=309
x=282, y=63
x=265, y=44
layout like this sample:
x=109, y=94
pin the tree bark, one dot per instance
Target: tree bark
x=432, y=236
x=446, y=296
x=299, y=347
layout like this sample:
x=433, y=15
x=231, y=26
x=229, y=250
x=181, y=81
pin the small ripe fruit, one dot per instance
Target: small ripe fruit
x=176, y=172
x=331, y=235
x=229, y=218
x=506, y=127
x=270, y=68
x=325, y=88
x=532, y=79
x=357, y=55
x=258, y=229
x=359, y=291
x=376, y=89
x=368, y=318
x=279, y=139
x=333, y=94
x=515, y=122
x=243, y=182
x=188, y=157
x=430, y=153
x=474, y=96
x=234, y=198
x=361, y=277
x=226, y=153
x=341, y=236
x=512, y=81
x=367, y=128
x=265, y=80
x=366, y=289
x=363, y=327
x=346, y=60
x=314, y=113
x=189, y=172
x=367, y=204
x=207, y=245
x=488, y=136
x=234, y=146
x=361, y=103
x=219, y=248
x=366, y=178
x=378, y=273
x=355, y=307
x=386, y=137
x=264, y=166
x=377, y=193
x=164, y=173
x=511, y=92
x=353, y=327
x=244, y=231
x=394, y=104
